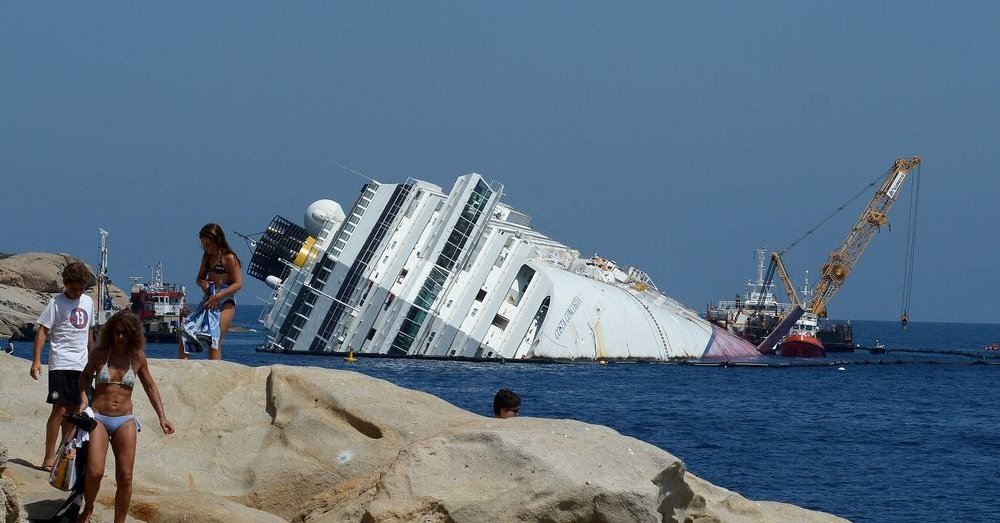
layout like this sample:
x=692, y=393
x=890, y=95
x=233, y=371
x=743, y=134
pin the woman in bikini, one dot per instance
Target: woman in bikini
x=220, y=277
x=118, y=359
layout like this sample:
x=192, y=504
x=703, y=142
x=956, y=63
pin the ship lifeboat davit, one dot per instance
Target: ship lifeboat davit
x=801, y=346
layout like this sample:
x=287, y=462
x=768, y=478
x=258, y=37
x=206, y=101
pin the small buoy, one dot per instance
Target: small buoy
x=841, y=368
x=350, y=357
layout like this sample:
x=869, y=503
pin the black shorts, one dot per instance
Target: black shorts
x=64, y=387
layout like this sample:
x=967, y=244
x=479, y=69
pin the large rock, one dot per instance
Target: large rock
x=38, y=271
x=27, y=281
x=11, y=509
x=313, y=445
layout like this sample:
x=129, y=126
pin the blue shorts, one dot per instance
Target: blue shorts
x=64, y=387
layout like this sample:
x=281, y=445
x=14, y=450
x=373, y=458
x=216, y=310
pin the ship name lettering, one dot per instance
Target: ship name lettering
x=568, y=315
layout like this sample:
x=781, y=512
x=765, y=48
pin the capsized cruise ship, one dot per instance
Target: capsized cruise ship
x=414, y=271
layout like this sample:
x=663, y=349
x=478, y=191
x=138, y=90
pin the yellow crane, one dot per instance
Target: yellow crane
x=779, y=266
x=838, y=266
x=841, y=262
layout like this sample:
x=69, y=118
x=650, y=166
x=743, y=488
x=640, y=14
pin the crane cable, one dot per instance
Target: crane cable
x=911, y=241
x=837, y=210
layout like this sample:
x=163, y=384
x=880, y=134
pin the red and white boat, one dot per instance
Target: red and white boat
x=160, y=307
x=801, y=341
x=801, y=346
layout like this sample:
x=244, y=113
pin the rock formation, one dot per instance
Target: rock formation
x=26, y=283
x=11, y=509
x=310, y=445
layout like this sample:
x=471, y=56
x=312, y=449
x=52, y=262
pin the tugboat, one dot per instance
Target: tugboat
x=159, y=306
x=802, y=342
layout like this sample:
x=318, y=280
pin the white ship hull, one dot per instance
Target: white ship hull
x=412, y=271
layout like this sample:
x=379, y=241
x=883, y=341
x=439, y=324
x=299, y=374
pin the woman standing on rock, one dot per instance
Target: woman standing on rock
x=220, y=277
x=120, y=358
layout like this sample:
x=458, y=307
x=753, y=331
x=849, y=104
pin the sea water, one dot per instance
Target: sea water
x=900, y=437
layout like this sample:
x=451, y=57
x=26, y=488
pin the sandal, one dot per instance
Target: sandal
x=46, y=468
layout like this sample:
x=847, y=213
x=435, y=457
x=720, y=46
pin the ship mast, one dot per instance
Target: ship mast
x=157, y=275
x=102, y=280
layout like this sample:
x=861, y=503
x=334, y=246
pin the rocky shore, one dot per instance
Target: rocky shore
x=280, y=443
x=27, y=281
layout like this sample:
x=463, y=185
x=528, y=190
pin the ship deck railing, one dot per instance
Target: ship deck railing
x=752, y=305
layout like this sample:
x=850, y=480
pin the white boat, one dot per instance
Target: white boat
x=413, y=271
x=757, y=312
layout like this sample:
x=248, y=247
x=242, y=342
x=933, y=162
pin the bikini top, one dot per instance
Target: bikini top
x=218, y=268
x=104, y=376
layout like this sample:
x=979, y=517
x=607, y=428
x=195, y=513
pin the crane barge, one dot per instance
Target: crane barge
x=795, y=335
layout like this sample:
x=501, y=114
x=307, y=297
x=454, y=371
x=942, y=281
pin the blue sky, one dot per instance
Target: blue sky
x=673, y=136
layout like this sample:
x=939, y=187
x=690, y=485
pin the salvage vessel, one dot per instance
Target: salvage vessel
x=802, y=340
x=413, y=270
x=755, y=313
x=160, y=306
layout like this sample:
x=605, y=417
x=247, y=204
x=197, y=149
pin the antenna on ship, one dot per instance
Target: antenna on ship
x=361, y=174
x=157, y=274
x=251, y=239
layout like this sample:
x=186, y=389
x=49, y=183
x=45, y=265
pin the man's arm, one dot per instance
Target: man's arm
x=41, y=333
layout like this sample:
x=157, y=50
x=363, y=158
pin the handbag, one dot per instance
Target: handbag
x=64, y=473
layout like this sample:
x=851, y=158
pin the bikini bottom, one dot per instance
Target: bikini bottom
x=111, y=423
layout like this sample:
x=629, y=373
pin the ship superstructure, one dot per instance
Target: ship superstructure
x=412, y=270
x=757, y=312
x=160, y=306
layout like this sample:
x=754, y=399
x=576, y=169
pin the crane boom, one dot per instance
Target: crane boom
x=779, y=266
x=840, y=263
